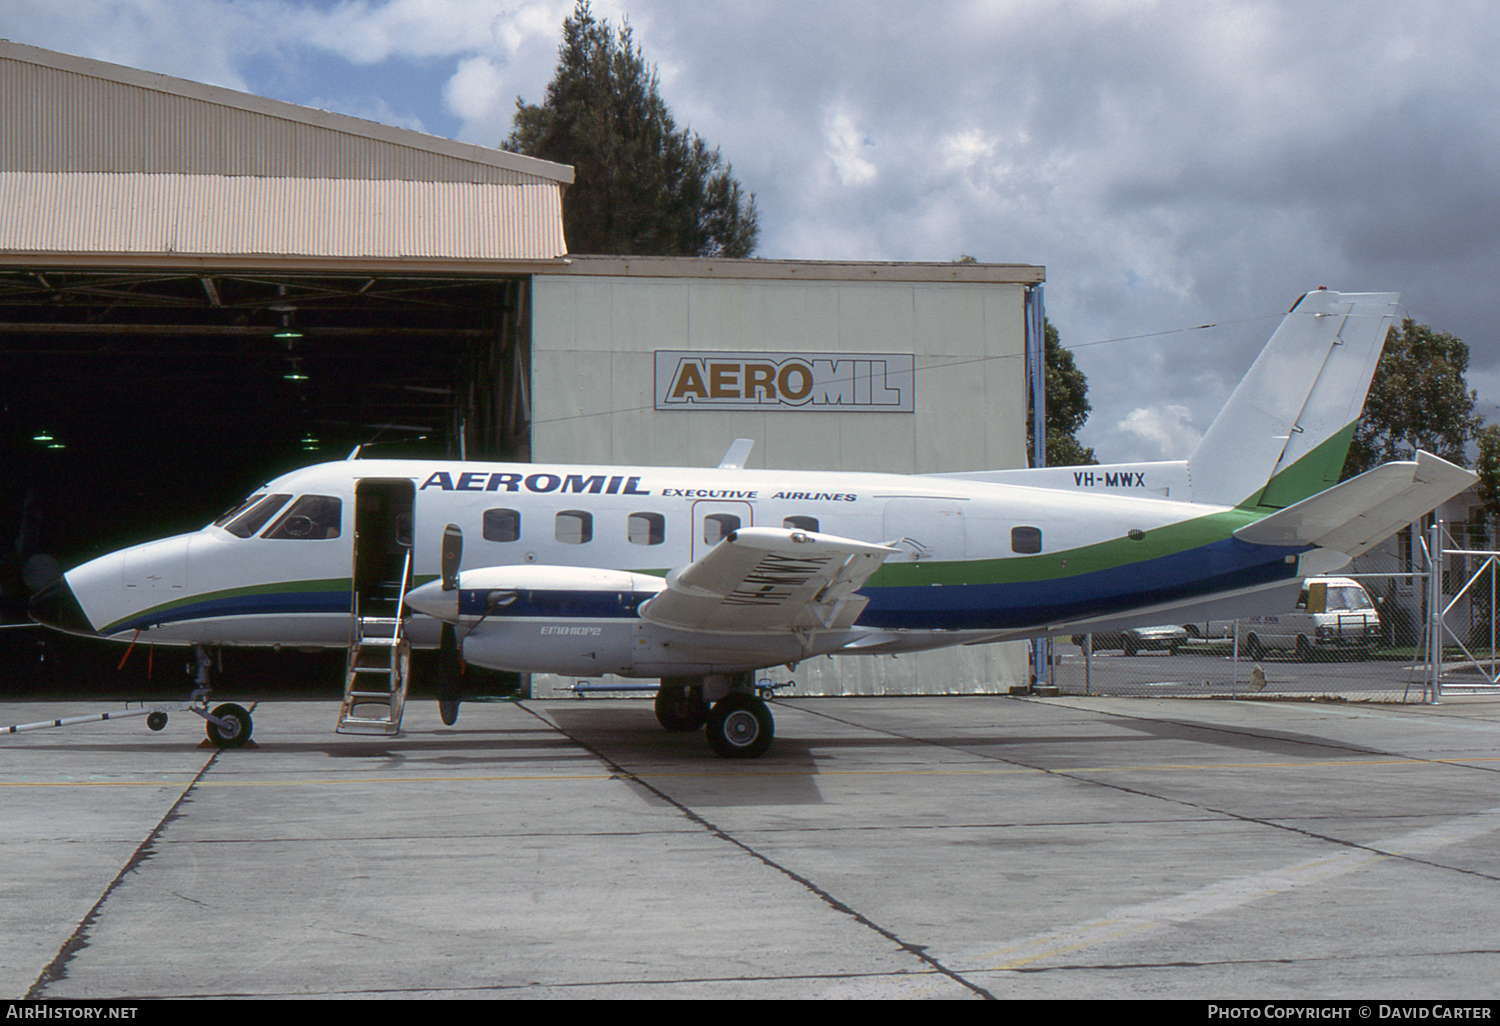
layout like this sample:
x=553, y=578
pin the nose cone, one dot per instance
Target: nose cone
x=56, y=606
x=431, y=599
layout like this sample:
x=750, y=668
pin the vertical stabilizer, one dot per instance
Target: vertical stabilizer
x=1285, y=431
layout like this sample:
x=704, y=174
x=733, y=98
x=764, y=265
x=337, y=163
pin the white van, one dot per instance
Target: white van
x=1333, y=614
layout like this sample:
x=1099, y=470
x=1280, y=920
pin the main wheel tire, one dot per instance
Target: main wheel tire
x=236, y=729
x=680, y=707
x=740, y=727
x=1253, y=649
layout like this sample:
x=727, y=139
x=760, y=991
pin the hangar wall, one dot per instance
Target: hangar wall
x=598, y=323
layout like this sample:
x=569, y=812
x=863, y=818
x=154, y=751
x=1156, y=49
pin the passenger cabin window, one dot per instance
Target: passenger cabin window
x=717, y=525
x=254, y=518
x=502, y=525
x=646, y=528
x=1026, y=540
x=312, y=517
x=800, y=523
x=575, y=527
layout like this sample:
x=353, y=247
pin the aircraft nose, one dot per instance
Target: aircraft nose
x=57, y=606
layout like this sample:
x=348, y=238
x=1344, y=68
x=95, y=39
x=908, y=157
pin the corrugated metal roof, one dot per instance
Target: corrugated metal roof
x=64, y=113
x=215, y=215
x=102, y=161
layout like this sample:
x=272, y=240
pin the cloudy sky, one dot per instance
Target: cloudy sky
x=1172, y=163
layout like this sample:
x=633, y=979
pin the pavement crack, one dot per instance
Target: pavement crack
x=57, y=969
x=1207, y=810
x=917, y=951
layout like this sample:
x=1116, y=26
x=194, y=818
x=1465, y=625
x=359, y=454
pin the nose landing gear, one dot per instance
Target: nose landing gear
x=228, y=726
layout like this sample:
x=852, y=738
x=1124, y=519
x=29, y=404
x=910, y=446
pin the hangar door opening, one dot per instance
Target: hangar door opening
x=143, y=403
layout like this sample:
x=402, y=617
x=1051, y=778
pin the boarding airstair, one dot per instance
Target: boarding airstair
x=379, y=663
x=376, y=674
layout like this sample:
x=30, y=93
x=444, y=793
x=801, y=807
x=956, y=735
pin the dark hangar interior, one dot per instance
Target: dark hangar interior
x=140, y=404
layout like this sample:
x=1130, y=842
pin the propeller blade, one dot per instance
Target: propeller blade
x=450, y=669
x=453, y=551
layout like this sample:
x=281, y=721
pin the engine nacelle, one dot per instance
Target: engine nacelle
x=543, y=619
x=585, y=622
x=572, y=649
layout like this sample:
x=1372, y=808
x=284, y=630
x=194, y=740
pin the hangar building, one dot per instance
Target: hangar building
x=200, y=289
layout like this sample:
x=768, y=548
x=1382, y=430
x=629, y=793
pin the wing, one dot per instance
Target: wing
x=769, y=579
x=1360, y=513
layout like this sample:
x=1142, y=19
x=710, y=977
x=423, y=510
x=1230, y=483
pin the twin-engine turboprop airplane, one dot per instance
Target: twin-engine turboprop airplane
x=699, y=577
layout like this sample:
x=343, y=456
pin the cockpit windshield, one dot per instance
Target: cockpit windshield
x=311, y=516
x=238, y=508
x=254, y=518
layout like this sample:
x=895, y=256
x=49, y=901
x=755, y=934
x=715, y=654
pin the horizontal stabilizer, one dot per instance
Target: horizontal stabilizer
x=769, y=579
x=1360, y=513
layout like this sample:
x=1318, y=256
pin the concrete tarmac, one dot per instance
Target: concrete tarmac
x=904, y=847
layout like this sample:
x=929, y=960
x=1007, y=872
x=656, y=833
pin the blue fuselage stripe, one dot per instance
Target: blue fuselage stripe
x=1221, y=566
x=271, y=603
x=561, y=604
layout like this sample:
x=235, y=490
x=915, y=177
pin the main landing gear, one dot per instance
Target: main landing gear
x=738, y=726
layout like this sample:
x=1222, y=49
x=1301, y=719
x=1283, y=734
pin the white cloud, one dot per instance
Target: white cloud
x=845, y=145
x=365, y=32
x=1166, y=427
x=477, y=91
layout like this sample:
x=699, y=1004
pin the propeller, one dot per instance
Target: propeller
x=453, y=553
x=450, y=662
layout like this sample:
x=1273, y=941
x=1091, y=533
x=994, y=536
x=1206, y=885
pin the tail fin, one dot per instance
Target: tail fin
x=1285, y=431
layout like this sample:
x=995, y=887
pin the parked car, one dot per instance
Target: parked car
x=1134, y=639
x=1333, y=614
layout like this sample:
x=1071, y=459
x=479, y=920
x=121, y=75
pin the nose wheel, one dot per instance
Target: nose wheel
x=740, y=726
x=229, y=726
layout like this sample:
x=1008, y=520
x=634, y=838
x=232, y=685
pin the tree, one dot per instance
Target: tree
x=1418, y=400
x=1487, y=466
x=1068, y=406
x=641, y=187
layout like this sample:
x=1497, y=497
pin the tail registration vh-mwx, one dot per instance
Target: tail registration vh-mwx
x=698, y=577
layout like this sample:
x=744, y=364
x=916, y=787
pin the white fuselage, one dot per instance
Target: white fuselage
x=978, y=559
